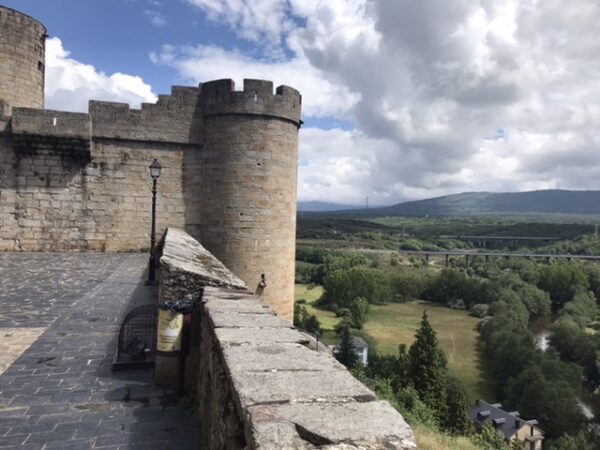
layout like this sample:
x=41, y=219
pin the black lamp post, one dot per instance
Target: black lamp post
x=154, y=173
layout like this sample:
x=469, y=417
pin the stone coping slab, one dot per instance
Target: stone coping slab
x=236, y=336
x=279, y=356
x=299, y=386
x=352, y=425
x=186, y=266
x=246, y=320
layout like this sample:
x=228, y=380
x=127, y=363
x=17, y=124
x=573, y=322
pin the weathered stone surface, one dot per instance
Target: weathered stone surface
x=278, y=357
x=370, y=425
x=236, y=336
x=253, y=306
x=299, y=386
x=241, y=320
x=186, y=267
x=22, y=57
x=31, y=121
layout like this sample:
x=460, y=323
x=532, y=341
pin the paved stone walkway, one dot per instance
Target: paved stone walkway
x=60, y=393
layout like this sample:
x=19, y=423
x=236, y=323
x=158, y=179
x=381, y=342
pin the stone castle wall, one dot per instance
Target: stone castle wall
x=80, y=182
x=61, y=190
x=22, y=59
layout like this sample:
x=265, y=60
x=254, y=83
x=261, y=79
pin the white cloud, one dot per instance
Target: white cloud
x=156, y=18
x=202, y=63
x=260, y=21
x=428, y=84
x=70, y=84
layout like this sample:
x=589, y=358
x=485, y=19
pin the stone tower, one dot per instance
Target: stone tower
x=22, y=56
x=248, y=174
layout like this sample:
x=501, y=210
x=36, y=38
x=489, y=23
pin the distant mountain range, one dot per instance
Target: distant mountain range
x=324, y=206
x=544, y=202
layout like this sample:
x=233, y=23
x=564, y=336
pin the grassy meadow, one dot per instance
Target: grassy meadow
x=396, y=323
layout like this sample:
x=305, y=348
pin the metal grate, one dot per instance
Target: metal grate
x=137, y=339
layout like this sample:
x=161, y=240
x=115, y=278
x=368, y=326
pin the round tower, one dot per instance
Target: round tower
x=248, y=183
x=22, y=57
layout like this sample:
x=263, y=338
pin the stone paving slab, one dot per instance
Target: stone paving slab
x=60, y=393
x=35, y=288
x=14, y=341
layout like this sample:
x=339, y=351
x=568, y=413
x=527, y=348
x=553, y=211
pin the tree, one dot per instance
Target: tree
x=490, y=439
x=549, y=398
x=346, y=352
x=304, y=321
x=457, y=419
x=562, y=281
x=341, y=287
x=402, y=378
x=312, y=325
x=535, y=300
x=300, y=315
x=428, y=367
x=479, y=310
x=408, y=285
x=582, y=441
x=359, y=309
x=410, y=404
x=582, y=309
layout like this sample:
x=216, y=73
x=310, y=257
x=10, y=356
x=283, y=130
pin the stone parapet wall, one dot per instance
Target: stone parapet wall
x=173, y=118
x=45, y=122
x=259, y=386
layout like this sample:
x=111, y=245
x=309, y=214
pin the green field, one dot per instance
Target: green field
x=311, y=294
x=396, y=323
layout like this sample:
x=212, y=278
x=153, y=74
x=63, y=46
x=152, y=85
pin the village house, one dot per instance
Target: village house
x=510, y=424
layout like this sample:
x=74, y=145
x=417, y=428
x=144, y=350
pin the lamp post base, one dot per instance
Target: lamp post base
x=151, y=271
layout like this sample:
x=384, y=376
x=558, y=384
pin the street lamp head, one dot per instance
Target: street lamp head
x=155, y=169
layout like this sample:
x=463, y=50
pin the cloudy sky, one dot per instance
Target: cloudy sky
x=402, y=99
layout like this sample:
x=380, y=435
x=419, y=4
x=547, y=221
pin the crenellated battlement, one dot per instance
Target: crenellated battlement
x=45, y=122
x=257, y=98
x=64, y=133
x=173, y=118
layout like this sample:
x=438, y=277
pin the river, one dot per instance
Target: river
x=588, y=401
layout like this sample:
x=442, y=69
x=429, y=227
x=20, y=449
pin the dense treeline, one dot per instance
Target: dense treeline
x=508, y=295
x=316, y=226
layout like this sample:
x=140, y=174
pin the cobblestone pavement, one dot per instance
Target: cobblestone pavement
x=60, y=393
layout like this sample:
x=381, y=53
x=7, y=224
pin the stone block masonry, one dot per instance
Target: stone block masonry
x=258, y=385
x=80, y=182
x=22, y=60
